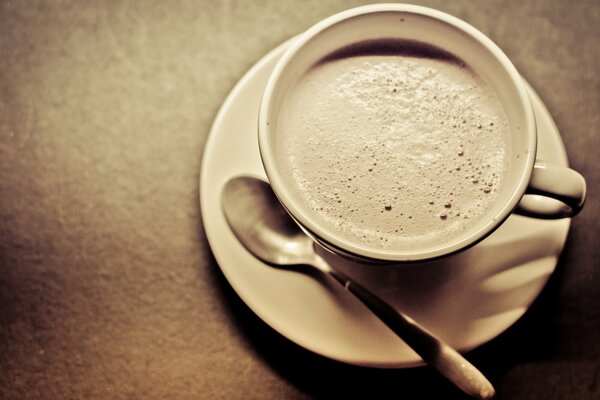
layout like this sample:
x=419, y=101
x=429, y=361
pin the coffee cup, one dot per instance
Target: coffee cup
x=397, y=133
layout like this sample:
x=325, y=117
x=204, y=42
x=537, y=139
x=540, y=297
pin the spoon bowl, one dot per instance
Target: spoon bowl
x=262, y=225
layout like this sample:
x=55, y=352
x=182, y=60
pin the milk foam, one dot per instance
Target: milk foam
x=399, y=152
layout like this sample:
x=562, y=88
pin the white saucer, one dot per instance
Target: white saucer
x=467, y=300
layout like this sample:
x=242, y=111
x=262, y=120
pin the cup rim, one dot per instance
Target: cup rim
x=385, y=255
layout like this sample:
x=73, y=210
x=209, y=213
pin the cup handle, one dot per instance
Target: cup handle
x=553, y=192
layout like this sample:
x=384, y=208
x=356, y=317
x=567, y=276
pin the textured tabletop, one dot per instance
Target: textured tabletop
x=108, y=288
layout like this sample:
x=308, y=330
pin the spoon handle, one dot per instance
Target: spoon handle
x=433, y=350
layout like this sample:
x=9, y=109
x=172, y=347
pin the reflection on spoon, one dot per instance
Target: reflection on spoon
x=263, y=226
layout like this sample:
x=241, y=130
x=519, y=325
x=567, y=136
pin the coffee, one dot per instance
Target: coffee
x=396, y=145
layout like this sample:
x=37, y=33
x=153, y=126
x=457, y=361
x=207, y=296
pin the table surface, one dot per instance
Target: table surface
x=108, y=288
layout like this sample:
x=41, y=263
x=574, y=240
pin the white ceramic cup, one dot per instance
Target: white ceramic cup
x=558, y=191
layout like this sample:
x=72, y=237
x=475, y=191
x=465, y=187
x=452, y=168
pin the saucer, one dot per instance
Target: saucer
x=466, y=299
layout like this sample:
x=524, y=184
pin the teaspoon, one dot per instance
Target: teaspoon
x=265, y=229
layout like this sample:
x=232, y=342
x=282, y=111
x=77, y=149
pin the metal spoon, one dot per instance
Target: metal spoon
x=263, y=226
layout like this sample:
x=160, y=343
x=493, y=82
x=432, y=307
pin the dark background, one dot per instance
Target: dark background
x=107, y=285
